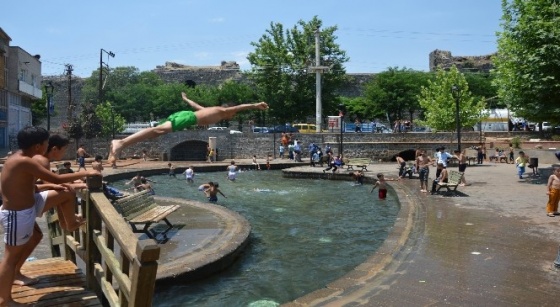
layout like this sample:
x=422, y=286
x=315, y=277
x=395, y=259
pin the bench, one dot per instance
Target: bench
x=471, y=159
x=452, y=182
x=141, y=208
x=499, y=159
x=363, y=167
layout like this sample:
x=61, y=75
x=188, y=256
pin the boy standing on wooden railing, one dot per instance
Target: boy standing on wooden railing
x=21, y=204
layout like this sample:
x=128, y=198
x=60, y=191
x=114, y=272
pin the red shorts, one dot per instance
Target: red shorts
x=382, y=193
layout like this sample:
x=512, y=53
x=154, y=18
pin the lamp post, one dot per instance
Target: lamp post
x=101, y=63
x=113, y=121
x=456, y=92
x=341, y=111
x=49, y=89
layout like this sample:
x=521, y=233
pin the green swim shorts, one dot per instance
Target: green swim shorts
x=181, y=120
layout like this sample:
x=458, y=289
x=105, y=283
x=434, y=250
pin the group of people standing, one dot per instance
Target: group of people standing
x=423, y=162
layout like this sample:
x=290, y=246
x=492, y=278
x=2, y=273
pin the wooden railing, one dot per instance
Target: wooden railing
x=119, y=268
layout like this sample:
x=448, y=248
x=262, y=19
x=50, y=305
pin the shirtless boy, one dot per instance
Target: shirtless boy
x=211, y=189
x=553, y=192
x=181, y=120
x=423, y=163
x=82, y=154
x=65, y=197
x=21, y=204
x=381, y=183
x=97, y=164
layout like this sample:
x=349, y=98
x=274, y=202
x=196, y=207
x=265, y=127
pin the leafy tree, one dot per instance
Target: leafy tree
x=75, y=130
x=131, y=92
x=358, y=107
x=527, y=64
x=480, y=85
x=439, y=102
x=109, y=119
x=91, y=124
x=232, y=92
x=280, y=69
x=395, y=93
x=39, y=110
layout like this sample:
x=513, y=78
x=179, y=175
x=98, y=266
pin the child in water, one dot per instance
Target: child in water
x=382, y=184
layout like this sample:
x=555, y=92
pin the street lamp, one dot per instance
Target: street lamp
x=113, y=121
x=456, y=93
x=49, y=89
x=101, y=63
x=341, y=112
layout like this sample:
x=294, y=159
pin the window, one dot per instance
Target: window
x=23, y=75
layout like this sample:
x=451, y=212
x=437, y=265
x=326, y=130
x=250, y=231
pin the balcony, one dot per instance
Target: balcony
x=28, y=89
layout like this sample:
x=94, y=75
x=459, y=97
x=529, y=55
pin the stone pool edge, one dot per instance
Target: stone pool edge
x=361, y=279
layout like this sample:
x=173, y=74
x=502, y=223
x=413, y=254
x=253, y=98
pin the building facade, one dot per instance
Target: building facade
x=20, y=84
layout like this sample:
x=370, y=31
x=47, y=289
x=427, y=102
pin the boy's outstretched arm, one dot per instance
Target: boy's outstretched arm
x=36, y=169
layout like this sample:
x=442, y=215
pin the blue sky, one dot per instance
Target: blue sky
x=144, y=34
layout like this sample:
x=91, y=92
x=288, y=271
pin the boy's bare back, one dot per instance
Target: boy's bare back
x=18, y=182
x=19, y=176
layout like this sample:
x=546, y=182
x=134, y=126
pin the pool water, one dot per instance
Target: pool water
x=305, y=234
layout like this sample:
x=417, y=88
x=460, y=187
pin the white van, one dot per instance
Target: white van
x=546, y=126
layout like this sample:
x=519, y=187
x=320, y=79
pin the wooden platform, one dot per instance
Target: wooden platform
x=61, y=283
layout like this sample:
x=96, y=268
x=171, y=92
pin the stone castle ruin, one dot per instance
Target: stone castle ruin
x=195, y=75
x=444, y=59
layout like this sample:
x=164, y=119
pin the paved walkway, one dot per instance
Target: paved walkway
x=494, y=246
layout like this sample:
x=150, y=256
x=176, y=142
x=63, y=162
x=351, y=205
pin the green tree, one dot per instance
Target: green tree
x=527, y=65
x=90, y=122
x=280, y=69
x=109, y=119
x=439, y=101
x=394, y=93
x=231, y=92
x=75, y=130
x=480, y=85
x=39, y=110
x=358, y=107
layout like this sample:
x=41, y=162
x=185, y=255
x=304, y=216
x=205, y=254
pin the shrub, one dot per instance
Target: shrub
x=516, y=142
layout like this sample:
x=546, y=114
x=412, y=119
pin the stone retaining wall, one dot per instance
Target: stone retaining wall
x=191, y=145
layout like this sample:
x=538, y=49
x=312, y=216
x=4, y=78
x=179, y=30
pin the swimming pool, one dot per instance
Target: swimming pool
x=305, y=234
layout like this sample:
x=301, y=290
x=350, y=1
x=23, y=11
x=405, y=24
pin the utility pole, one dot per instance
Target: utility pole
x=101, y=65
x=69, y=70
x=318, y=71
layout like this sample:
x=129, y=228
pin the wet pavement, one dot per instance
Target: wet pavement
x=492, y=245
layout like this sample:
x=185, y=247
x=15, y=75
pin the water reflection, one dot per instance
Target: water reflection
x=305, y=234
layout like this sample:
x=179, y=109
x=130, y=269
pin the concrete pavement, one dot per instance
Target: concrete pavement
x=493, y=246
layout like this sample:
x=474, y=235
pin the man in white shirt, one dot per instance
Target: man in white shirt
x=442, y=157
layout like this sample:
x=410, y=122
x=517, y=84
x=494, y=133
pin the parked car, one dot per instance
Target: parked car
x=283, y=128
x=260, y=130
x=218, y=128
x=546, y=126
x=307, y=128
x=231, y=131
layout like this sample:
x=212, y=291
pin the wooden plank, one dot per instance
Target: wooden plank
x=114, y=222
x=60, y=283
x=155, y=215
